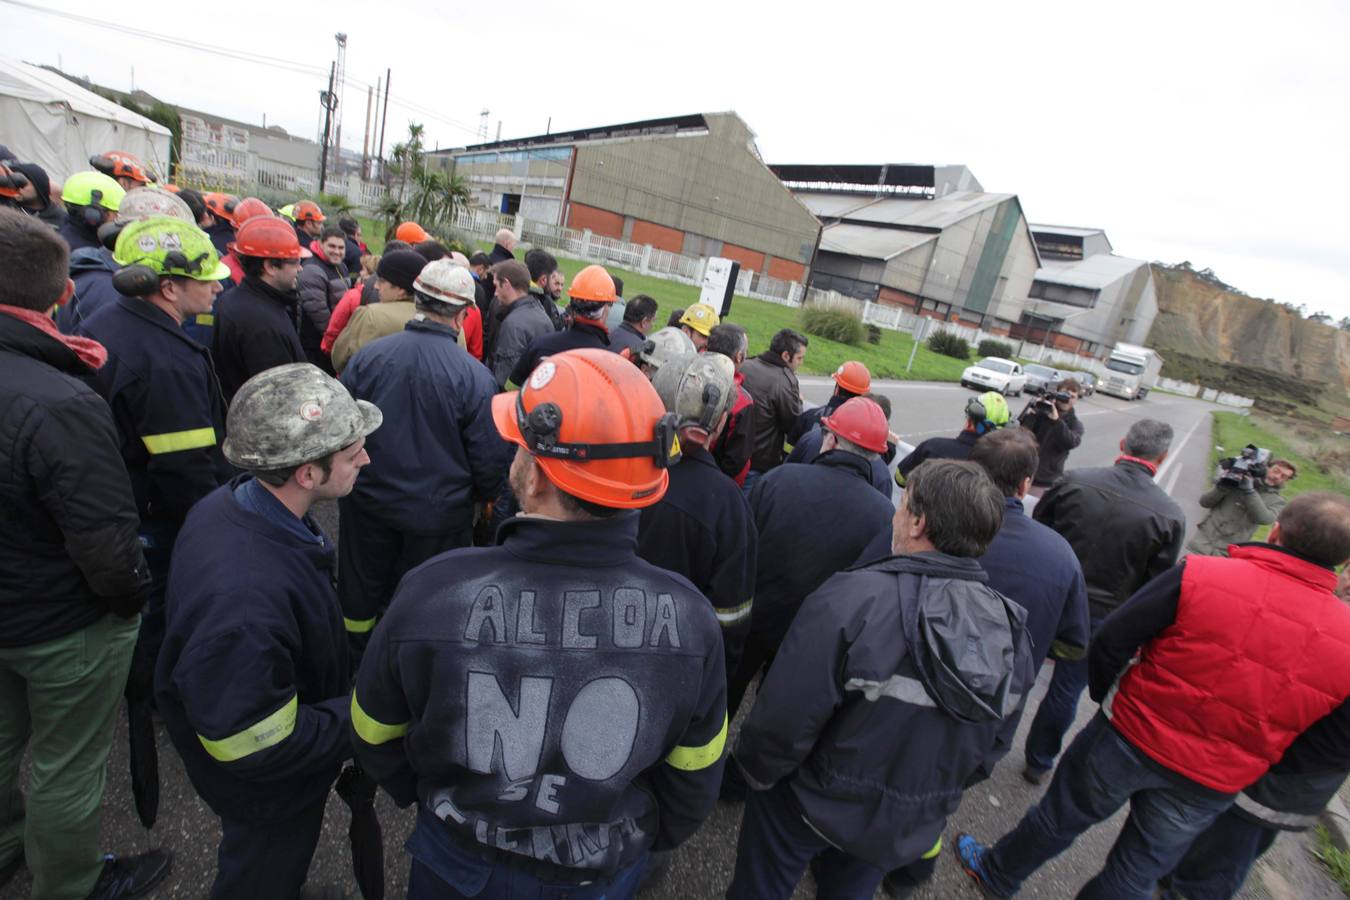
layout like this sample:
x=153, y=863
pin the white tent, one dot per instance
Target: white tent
x=50, y=120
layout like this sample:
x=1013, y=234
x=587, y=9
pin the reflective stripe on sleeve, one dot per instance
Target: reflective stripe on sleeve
x=269, y=732
x=735, y=615
x=937, y=848
x=1254, y=807
x=691, y=759
x=372, y=731
x=173, y=441
x=1066, y=651
x=358, y=626
x=206, y=319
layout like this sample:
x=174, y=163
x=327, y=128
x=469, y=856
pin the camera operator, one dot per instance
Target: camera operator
x=1054, y=423
x=1245, y=496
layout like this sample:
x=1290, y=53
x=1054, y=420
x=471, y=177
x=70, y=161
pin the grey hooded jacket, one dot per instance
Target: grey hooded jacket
x=895, y=683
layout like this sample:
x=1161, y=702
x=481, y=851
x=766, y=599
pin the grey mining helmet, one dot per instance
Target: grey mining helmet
x=704, y=392
x=665, y=346
x=294, y=414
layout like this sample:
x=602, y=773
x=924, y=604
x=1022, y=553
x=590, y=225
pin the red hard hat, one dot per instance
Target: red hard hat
x=860, y=421
x=411, y=232
x=248, y=208
x=222, y=206
x=307, y=211
x=853, y=377
x=595, y=425
x=268, y=237
x=593, y=284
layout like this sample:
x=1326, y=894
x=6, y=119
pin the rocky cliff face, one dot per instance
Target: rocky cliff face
x=1210, y=333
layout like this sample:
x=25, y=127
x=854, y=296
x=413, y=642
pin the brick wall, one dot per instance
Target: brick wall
x=749, y=259
x=785, y=269
x=659, y=236
x=599, y=221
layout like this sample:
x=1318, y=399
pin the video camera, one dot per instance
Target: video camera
x=1048, y=398
x=1254, y=462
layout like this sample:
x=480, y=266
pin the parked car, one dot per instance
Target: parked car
x=994, y=373
x=1041, y=377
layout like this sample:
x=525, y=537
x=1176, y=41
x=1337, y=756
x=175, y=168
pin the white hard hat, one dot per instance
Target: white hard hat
x=667, y=345
x=447, y=282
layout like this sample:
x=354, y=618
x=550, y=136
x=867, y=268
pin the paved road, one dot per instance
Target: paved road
x=702, y=868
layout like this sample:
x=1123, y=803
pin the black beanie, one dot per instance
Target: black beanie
x=401, y=268
x=37, y=176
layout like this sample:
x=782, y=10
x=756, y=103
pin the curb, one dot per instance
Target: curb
x=1336, y=818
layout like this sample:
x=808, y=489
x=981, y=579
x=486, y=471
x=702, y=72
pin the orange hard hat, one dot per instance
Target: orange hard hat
x=596, y=427
x=307, y=211
x=11, y=182
x=860, y=421
x=222, y=206
x=248, y=208
x=593, y=284
x=119, y=164
x=268, y=237
x=853, y=377
x=411, y=232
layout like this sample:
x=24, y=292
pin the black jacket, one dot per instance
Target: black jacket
x=790, y=504
x=79, y=234
x=626, y=336
x=167, y=404
x=579, y=336
x=69, y=553
x=894, y=682
x=222, y=233
x=778, y=401
x=550, y=308
x=256, y=329
x=958, y=447
x=92, y=270
x=553, y=696
x=1055, y=437
x=321, y=285
x=702, y=529
x=254, y=660
x=1122, y=527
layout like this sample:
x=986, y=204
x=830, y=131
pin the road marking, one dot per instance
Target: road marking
x=1175, y=455
x=1172, y=482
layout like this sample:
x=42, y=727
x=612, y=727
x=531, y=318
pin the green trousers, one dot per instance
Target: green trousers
x=60, y=697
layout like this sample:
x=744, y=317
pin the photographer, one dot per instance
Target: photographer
x=1245, y=496
x=1054, y=423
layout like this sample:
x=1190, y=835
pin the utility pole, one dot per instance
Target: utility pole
x=328, y=101
x=384, y=120
x=365, y=137
x=339, y=93
x=483, y=124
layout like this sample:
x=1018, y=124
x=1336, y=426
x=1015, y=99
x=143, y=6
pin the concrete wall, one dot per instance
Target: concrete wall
x=1124, y=311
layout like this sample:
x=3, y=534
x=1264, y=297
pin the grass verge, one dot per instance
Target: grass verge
x=762, y=320
x=1336, y=860
x=1316, y=458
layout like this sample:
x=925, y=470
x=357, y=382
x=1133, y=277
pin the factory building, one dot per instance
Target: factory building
x=1085, y=299
x=693, y=185
x=926, y=238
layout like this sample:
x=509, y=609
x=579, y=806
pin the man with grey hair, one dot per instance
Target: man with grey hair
x=876, y=713
x=702, y=527
x=1124, y=530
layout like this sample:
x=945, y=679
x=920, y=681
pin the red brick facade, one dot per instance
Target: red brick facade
x=599, y=221
x=659, y=236
x=786, y=269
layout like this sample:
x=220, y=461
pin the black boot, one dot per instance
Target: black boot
x=130, y=876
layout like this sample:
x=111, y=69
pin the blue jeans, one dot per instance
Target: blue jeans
x=1217, y=863
x=1101, y=772
x=750, y=478
x=1058, y=709
x=776, y=845
x=443, y=869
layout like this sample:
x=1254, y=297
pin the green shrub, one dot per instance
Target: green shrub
x=833, y=324
x=990, y=347
x=949, y=344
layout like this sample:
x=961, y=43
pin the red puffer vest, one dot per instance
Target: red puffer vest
x=1256, y=655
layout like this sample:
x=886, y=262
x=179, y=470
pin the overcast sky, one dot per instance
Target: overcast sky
x=1214, y=132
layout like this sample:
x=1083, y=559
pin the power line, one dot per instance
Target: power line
x=238, y=55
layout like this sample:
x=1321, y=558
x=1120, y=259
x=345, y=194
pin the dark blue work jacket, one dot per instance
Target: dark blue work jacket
x=167, y=404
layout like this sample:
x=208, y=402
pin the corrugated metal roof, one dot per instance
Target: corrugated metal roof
x=1094, y=272
x=832, y=206
x=873, y=243
x=940, y=213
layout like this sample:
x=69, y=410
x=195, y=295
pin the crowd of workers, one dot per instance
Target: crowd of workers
x=570, y=543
